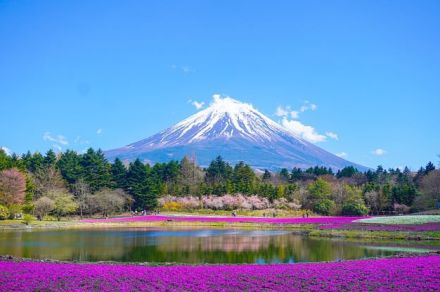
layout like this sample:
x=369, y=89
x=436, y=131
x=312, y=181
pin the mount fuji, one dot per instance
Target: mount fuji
x=237, y=132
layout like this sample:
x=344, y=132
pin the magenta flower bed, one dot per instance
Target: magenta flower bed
x=297, y=220
x=395, y=274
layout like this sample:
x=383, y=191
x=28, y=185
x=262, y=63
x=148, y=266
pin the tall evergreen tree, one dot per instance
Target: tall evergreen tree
x=141, y=185
x=284, y=175
x=243, y=178
x=96, y=170
x=429, y=167
x=266, y=176
x=119, y=174
x=70, y=166
x=218, y=171
x=50, y=159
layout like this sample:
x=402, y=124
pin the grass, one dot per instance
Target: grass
x=360, y=234
x=409, y=219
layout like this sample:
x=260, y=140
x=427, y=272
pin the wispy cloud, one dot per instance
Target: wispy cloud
x=99, y=131
x=342, y=154
x=308, y=106
x=80, y=141
x=187, y=69
x=59, y=139
x=305, y=132
x=57, y=147
x=286, y=112
x=379, y=152
x=332, y=135
x=7, y=150
x=183, y=69
x=290, y=120
x=197, y=104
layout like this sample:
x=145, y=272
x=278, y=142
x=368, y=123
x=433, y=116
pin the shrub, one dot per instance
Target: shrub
x=14, y=210
x=28, y=208
x=27, y=219
x=355, y=209
x=49, y=218
x=401, y=208
x=324, y=207
x=172, y=206
x=43, y=206
x=4, y=212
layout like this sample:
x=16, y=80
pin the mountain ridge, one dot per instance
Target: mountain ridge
x=237, y=132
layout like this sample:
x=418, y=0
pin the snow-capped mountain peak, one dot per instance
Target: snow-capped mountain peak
x=235, y=130
x=224, y=118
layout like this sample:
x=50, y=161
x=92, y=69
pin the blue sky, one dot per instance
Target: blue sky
x=77, y=74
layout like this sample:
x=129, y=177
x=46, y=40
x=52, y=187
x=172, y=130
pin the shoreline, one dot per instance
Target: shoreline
x=313, y=226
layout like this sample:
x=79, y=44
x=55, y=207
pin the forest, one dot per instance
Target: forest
x=55, y=185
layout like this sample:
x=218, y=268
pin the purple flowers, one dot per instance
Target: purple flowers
x=298, y=220
x=394, y=274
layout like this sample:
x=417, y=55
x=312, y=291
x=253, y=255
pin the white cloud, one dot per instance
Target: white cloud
x=59, y=139
x=286, y=111
x=56, y=147
x=197, y=104
x=308, y=106
x=78, y=140
x=379, y=152
x=332, y=135
x=187, y=69
x=7, y=150
x=281, y=111
x=303, y=108
x=341, y=154
x=99, y=131
x=290, y=121
x=184, y=69
x=308, y=133
x=294, y=114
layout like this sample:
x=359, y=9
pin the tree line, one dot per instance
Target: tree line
x=85, y=184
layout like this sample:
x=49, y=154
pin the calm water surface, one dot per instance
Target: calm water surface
x=192, y=246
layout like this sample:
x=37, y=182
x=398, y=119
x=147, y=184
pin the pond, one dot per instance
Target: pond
x=192, y=246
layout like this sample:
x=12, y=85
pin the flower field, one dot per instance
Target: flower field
x=392, y=274
x=296, y=220
x=422, y=223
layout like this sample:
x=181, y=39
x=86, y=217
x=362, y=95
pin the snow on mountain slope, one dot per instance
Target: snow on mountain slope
x=236, y=131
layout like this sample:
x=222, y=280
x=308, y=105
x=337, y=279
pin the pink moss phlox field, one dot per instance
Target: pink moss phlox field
x=392, y=274
x=297, y=220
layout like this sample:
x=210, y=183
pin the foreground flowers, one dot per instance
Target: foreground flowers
x=394, y=274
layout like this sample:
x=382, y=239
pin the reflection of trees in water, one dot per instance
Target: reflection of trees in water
x=118, y=245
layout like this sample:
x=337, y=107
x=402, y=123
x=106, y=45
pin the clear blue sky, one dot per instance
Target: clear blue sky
x=372, y=68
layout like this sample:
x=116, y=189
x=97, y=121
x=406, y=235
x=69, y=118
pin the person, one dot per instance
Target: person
x=234, y=214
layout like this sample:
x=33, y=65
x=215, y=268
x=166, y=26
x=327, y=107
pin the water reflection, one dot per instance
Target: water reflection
x=182, y=246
